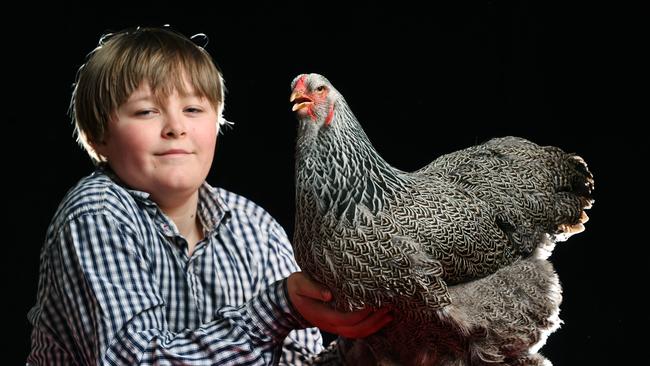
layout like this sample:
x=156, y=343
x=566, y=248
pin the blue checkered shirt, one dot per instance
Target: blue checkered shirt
x=117, y=286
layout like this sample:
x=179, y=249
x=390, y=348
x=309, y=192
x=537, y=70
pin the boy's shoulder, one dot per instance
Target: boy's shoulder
x=95, y=193
x=243, y=209
x=251, y=221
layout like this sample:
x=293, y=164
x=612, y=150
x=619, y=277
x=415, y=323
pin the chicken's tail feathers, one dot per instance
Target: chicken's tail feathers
x=574, y=193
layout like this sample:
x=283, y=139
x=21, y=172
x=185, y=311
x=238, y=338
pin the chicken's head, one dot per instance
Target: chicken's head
x=314, y=99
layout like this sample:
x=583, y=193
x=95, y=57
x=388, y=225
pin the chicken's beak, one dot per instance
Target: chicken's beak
x=299, y=100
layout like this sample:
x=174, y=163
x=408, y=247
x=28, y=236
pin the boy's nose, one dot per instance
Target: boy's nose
x=174, y=127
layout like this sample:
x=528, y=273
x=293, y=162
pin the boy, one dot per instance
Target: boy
x=146, y=263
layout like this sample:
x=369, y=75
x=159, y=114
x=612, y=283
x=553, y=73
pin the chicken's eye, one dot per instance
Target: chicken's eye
x=320, y=88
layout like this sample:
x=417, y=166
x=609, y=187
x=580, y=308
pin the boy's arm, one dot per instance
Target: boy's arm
x=115, y=313
x=301, y=344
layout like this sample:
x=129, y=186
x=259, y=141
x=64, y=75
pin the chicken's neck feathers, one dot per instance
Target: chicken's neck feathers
x=339, y=169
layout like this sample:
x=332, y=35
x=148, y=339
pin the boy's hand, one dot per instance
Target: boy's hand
x=310, y=299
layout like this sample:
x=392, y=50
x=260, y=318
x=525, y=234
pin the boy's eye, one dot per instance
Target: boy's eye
x=144, y=113
x=193, y=110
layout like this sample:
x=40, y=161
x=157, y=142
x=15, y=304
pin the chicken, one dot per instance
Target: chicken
x=458, y=249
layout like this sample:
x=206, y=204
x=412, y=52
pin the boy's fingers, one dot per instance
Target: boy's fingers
x=310, y=299
x=305, y=286
x=368, y=326
x=325, y=314
x=355, y=324
x=337, y=318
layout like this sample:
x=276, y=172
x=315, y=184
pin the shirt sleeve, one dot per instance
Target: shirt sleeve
x=115, y=313
x=301, y=345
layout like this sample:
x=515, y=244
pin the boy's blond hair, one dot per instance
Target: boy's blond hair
x=122, y=61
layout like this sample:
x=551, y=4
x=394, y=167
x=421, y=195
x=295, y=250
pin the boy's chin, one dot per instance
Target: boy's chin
x=175, y=186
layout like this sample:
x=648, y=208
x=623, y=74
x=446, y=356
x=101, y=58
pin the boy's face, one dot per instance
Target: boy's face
x=164, y=149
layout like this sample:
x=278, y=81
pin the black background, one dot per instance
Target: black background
x=423, y=81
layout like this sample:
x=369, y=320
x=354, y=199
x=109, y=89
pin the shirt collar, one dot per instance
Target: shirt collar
x=212, y=209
